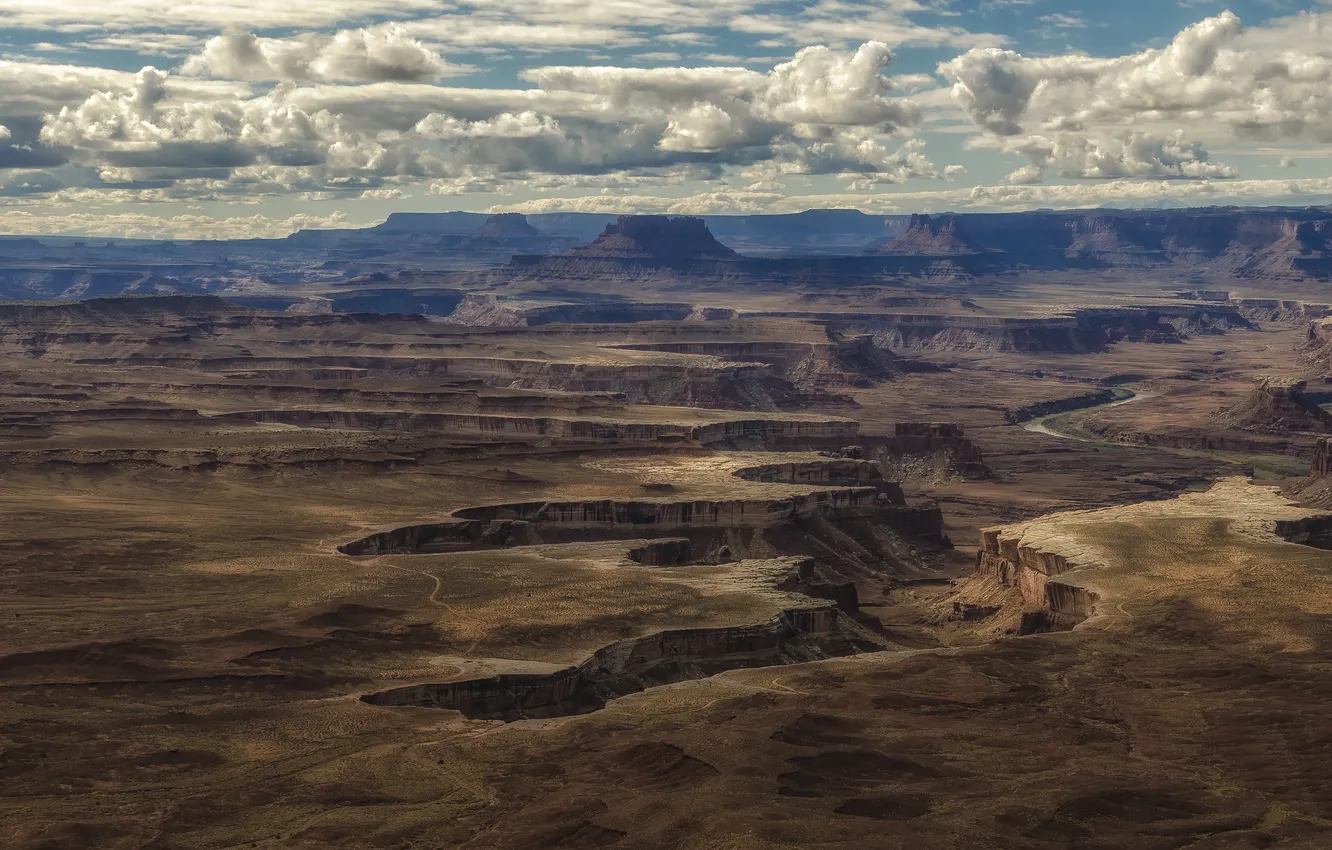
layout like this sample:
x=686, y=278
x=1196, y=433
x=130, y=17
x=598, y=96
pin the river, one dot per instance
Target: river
x=1038, y=426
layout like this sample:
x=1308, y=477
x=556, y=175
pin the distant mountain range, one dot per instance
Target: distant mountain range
x=819, y=247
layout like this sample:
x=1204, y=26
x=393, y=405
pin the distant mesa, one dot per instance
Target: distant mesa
x=929, y=236
x=656, y=237
x=507, y=226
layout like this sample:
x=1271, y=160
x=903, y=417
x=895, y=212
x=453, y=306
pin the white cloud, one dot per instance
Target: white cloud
x=113, y=15
x=822, y=112
x=1121, y=193
x=4, y=132
x=142, y=43
x=845, y=22
x=1287, y=162
x=1063, y=22
x=1126, y=154
x=1214, y=77
x=506, y=125
x=140, y=226
x=376, y=54
x=1025, y=176
x=470, y=32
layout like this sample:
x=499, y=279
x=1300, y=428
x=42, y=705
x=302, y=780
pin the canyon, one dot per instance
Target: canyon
x=573, y=530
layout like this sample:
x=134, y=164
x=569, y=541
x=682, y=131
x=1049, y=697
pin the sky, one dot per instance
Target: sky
x=238, y=118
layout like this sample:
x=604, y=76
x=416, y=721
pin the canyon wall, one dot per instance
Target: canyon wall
x=1034, y=571
x=628, y=666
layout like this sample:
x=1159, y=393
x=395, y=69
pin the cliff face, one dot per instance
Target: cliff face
x=1321, y=465
x=1035, y=570
x=628, y=666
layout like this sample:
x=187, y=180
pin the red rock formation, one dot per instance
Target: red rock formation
x=1034, y=572
x=1278, y=406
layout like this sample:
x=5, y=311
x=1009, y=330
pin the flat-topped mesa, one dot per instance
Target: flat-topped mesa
x=1279, y=405
x=656, y=237
x=506, y=226
x=926, y=236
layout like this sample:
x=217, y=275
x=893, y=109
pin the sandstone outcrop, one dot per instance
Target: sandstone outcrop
x=1316, y=490
x=1007, y=556
x=1321, y=465
x=946, y=440
x=1279, y=406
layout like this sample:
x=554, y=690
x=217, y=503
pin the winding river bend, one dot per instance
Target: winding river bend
x=1040, y=426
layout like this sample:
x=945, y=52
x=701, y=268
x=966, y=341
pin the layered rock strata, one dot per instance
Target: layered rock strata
x=1279, y=406
x=530, y=523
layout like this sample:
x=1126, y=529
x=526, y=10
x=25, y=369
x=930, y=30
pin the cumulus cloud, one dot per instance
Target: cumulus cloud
x=1214, y=76
x=375, y=54
x=4, y=132
x=35, y=88
x=1116, y=193
x=1127, y=154
x=141, y=226
x=506, y=125
x=844, y=22
x=824, y=111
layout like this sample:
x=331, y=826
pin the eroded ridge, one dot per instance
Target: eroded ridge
x=818, y=617
x=806, y=630
x=870, y=499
